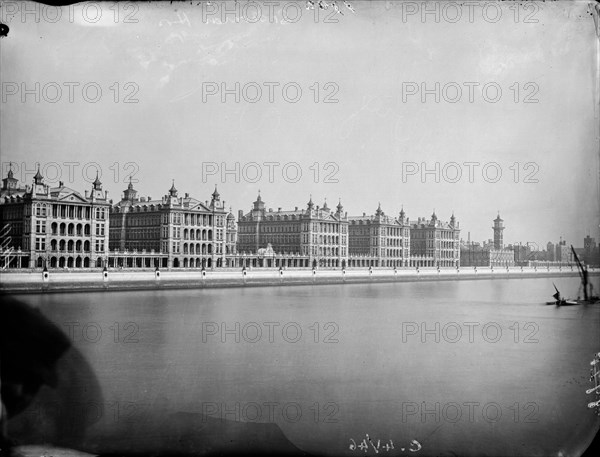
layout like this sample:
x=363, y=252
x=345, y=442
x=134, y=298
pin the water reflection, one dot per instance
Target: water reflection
x=465, y=367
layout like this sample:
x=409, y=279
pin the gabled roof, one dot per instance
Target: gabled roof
x=191, y=203
x=65, y=193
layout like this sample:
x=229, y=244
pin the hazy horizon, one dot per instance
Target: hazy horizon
x=161, y=107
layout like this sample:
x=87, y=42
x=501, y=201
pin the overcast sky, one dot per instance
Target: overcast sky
x=375, y=137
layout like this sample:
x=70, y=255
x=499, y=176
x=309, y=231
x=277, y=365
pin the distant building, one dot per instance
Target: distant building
x=173, y=232
x=491, y=254
x=498, y=233
x=435, y=242
x=53, y=227
x=550, y=252
x=563, y=252
x=591, y=251
x=379, y=240
x=315, y=236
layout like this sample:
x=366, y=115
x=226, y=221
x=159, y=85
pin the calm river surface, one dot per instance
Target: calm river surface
x=462, y=367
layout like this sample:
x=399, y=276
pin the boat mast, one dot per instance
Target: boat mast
x=583, y=273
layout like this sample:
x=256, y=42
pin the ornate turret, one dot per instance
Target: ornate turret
x=452, y=220
x=216, y=198
x=230, y=220
x=173, y=190
x=130, y=193
x=310, y=204
x=10, y=182
x=325, y=207
x=97, y=185
x=259, y=205
x=38, y=178
x=402, y=215
x=339, y=207
x=379, y=211
x=434, y=218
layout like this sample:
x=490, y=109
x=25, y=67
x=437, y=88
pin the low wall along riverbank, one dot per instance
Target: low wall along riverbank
x=91, y=280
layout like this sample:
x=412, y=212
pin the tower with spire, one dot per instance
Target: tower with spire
x=97, y=192
x=173, y=190
x=39, y=188
x=498, y=235
x=402, y=216
x=434, y=219
x=215, y=201
x=130, y=193
x=10, y=184
x=310, y=205
x=339, y=208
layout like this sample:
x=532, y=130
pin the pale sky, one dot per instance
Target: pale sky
x=372, y=137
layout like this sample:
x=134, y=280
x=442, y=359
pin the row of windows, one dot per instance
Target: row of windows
x=374, y=241
x=70, y=245
x=71, y=229
x=195, y=219
x=438, y=234
x=74, y=212
x=383, y=231
x=11, y=212
x=136, y=245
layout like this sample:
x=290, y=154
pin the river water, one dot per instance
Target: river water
x=478, y=367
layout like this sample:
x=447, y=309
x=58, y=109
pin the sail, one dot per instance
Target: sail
x=582, y=272
x=557, y=294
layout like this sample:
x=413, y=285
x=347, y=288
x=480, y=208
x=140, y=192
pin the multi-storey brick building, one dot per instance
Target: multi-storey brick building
x=379, y=240
x=54, y=227
x=173, y=232
x=436, y=242
x=491, y=254
x=318, y=235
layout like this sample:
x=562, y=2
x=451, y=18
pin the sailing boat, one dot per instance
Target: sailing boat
x=588, y=299
x=560, y=301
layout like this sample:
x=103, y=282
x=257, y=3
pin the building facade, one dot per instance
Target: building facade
x=435, y=243
x=379, y=240
x=53, y=227
x=317, y=236
x=173, y=232
x=563, y=253
x=492, y=253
